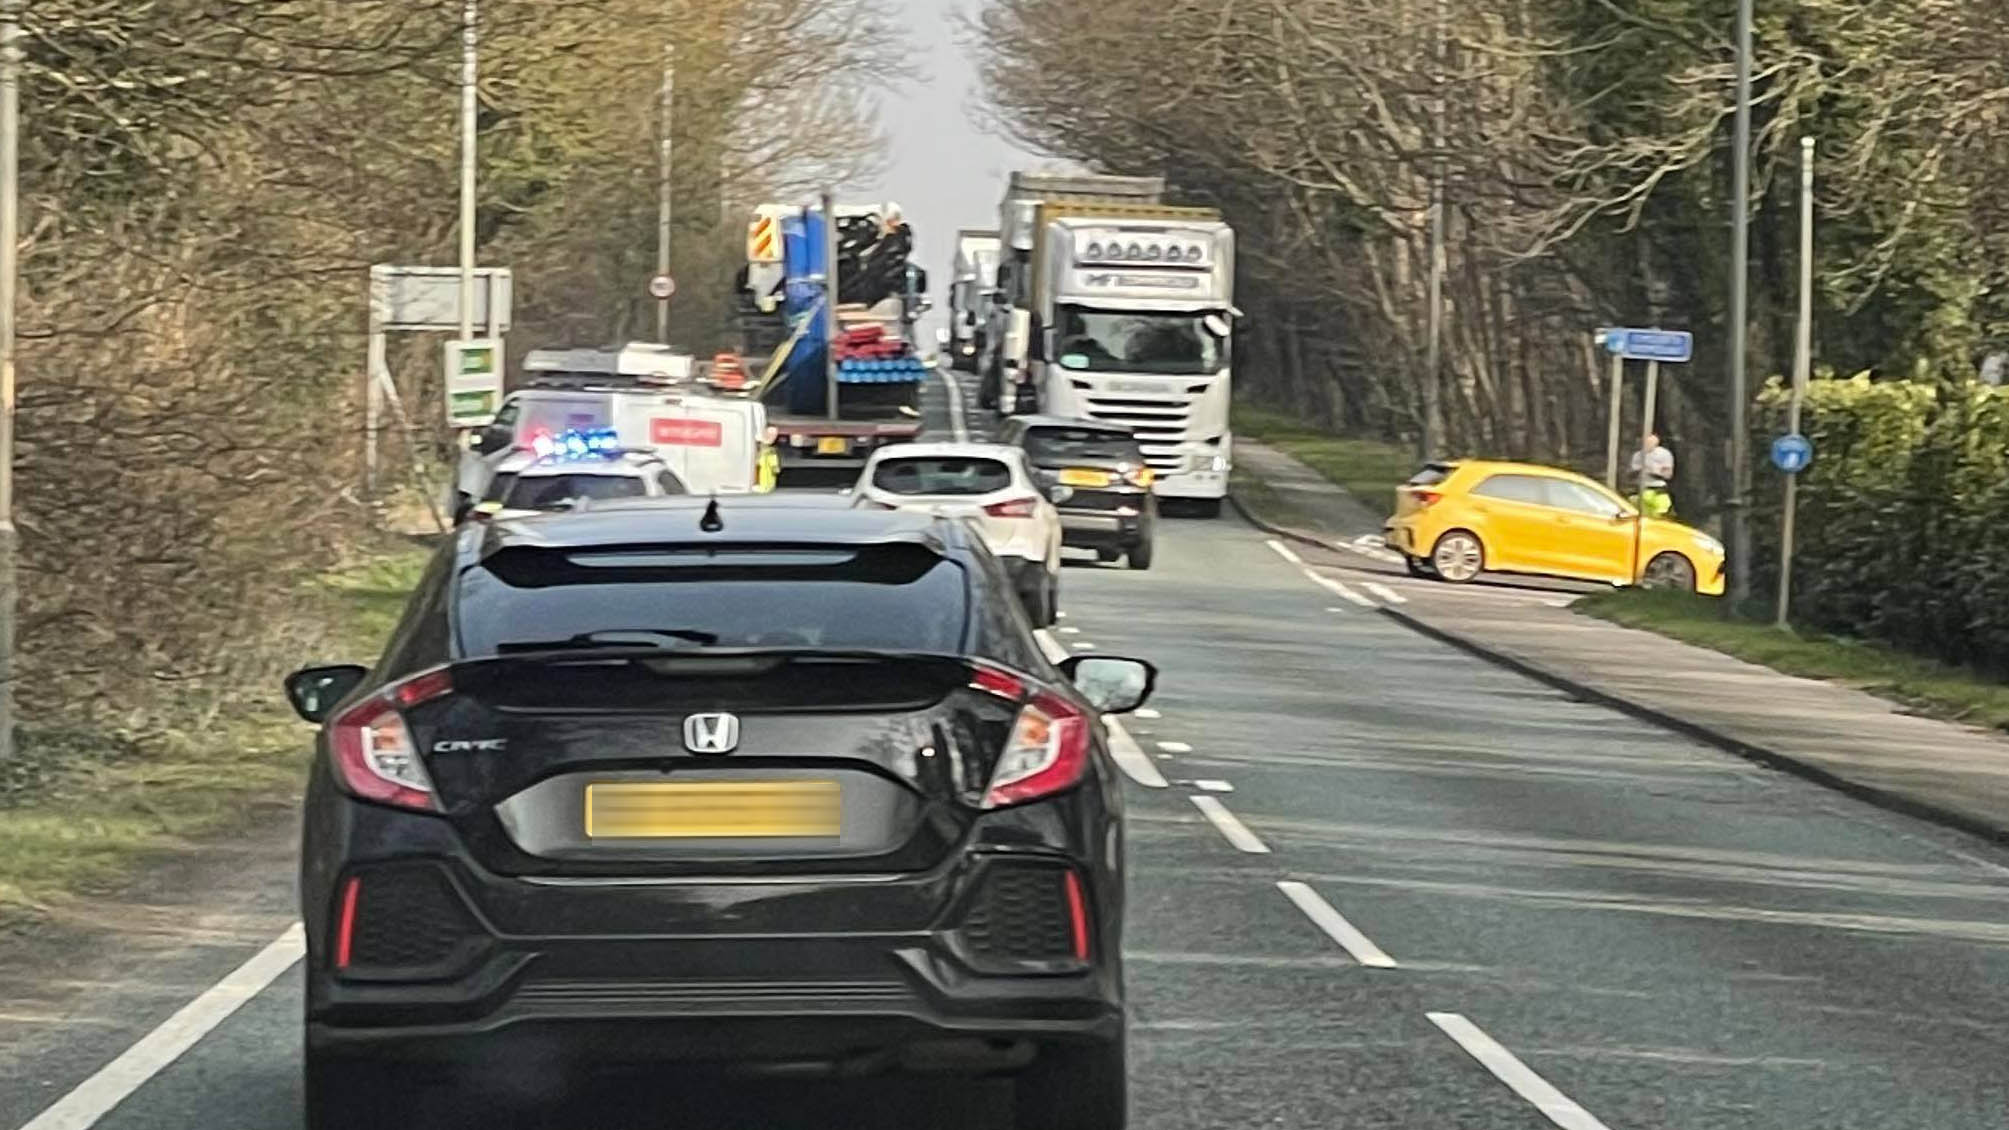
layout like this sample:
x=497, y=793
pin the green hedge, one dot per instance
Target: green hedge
x=1903, y=530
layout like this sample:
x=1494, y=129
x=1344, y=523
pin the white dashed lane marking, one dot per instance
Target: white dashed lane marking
x=1237, y=833
x=1554, y=1105
x=1335, y=925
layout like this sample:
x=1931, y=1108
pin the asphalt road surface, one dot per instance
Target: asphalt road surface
x=1385, y=884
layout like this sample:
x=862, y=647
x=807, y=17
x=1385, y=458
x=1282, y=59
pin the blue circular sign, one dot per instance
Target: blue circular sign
x=1792, y=453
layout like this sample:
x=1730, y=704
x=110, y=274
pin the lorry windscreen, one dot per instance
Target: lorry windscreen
x=1133, y=341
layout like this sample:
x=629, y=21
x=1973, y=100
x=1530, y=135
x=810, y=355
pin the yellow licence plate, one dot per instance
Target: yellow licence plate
x=1080, y=478
x=832, y=445
x=712, y=809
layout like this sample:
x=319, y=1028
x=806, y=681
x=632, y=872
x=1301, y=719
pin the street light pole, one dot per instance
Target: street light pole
x=10, y=269
x=469, y=72
x=1740, y=273
x=663, y=209
x=1433, y=354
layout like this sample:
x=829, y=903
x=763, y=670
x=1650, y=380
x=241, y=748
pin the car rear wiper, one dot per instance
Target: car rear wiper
x=618, y=637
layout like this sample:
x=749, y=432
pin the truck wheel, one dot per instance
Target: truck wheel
x=1140, y=554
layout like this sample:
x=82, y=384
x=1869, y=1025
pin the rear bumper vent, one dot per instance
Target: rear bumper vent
x=411, y=924
x=1019, y=919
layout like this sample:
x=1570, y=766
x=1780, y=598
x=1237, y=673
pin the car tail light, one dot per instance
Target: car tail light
x=1001, y=683
x=375, y=756
x=1140, y=477
x=1013, y=508
x=1047, y=751
x=1425, y=498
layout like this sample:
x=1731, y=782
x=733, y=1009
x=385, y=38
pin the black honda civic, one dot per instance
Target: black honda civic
x=764, y=783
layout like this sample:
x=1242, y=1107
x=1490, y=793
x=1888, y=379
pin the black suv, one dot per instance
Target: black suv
x=1107, y=505
x=767, y=782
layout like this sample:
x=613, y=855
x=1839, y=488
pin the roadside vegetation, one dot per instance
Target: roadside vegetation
x=1368, y=469
x=1924, y=686
x=83, y=807
x=205, y=187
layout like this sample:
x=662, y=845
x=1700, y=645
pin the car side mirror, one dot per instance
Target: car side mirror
x=314, y=691
x=1111, y=684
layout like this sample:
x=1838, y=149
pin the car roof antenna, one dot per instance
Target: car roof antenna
x=711, y=523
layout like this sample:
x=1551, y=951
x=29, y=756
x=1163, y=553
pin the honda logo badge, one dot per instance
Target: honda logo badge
x=711, y=733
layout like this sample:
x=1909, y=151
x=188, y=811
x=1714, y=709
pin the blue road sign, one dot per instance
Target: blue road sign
x=1792, y=453
x=1650, y=345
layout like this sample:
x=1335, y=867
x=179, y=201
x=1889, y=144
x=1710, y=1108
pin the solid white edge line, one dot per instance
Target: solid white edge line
x=1285, y=552
x=959, y=429
x=1356, y=944
x=1054, y=652
x=1129, y=755
x=1384, y=592
x=1554, y=1105
x=1229, y=825
x=1333, y=586
x=114, y=1082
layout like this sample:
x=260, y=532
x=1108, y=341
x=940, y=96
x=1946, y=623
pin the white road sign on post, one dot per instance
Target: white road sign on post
x=473, y=381
x=662, y=287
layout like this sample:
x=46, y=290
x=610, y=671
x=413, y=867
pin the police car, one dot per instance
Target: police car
x=571, y=469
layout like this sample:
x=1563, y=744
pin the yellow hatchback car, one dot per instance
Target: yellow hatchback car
x=1456, y=520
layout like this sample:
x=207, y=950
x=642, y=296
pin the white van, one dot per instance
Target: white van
x=711, y=443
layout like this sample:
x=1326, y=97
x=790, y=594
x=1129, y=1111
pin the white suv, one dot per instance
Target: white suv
x=992, y=487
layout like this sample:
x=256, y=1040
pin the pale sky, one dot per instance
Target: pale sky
x=943, y=172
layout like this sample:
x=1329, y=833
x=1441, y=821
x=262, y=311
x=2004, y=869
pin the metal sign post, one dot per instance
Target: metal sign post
x=1792, y=457
x=1653, y=347
x=1645, y=429
x=1612, y=429
x=419, y=300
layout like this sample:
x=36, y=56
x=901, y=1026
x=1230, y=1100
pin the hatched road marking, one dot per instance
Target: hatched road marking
x=1285, y=552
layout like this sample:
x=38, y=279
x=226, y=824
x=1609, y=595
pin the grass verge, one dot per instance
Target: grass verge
x=1368, y=469
x=1922, y=685
x=119, y=798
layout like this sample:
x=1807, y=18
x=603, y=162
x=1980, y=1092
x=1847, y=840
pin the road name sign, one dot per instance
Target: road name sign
x=1674, y=346
x=1792, y=453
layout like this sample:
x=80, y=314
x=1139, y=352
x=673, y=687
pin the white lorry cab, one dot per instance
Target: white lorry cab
x=1125, y=312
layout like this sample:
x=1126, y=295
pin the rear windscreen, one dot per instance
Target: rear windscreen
x=546, y=491
x=1049, y=446
x=1431, y=474
x=897, y=597
x=941, y=475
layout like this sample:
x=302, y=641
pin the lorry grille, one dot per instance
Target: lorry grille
x=1160, y=422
